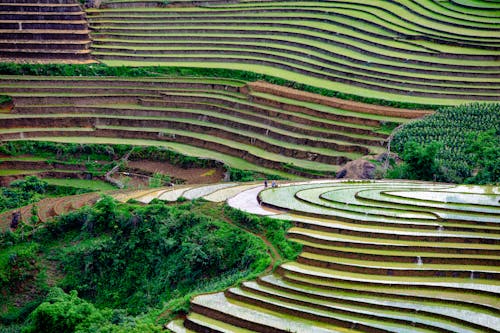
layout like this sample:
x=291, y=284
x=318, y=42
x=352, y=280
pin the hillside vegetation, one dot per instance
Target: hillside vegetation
x=467, y=141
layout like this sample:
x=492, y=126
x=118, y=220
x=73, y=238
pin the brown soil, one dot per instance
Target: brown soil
x=265, y=87
x=191, y=176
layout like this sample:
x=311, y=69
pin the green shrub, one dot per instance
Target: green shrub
x=136, y=256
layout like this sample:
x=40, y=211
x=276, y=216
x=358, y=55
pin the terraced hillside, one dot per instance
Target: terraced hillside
x=377, y=257
x=431, y=52
x=43, y=31
x=254, y=126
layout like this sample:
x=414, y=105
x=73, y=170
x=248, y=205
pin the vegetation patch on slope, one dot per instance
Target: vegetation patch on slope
x=129, y=264
x=456, y=144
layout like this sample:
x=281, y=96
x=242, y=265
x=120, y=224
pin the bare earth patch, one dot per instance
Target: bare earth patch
x=191, y=176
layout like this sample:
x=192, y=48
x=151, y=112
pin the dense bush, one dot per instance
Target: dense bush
x=67, y=313
x=103, y=70
x=4, y=99
x=17, y=265
x=22, y=192
x=469, y=136
x=134, y=257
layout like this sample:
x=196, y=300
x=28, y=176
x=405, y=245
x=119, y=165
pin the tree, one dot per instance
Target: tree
x=485, y=149
x=420, y=160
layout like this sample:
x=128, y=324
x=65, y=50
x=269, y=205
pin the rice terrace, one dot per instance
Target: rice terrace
x=249, y=166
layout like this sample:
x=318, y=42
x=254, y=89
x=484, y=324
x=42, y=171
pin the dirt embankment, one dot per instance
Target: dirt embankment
x=264, y=87
x=191, y=175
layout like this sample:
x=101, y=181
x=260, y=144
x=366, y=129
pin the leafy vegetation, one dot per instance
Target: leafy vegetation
x=22, y=192
x=469, y=140
x=124, y=264
x=32, y=189
x=4, y=99
x=127, y=71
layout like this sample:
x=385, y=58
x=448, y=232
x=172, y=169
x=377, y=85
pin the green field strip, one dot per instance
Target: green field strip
x=475, y=302
x=383, y=197
x=312, y=196
x=97, y=185
x=274, y=128
x=247, y=312
x=398, y=266
x=102, y=79
x=404, y=42
x=376, y=55
x=400, y=16
x=75, y=94
x=395, y=231
x=338, y=63
x=349, y=197
x=470, y=11
x=478, y=4
x=449, y=310
x=235, y=131
x=396, y=44
x=338, y=308
x=184, y=149
x=422, y=90
x=221, y=115
x=372, y=18
x=278, y=110
x=345, y=199
x=289, y=75
x=357, y=77
x=489, y=286
x=447, y=79
x=327, y=236
x=302, y=309
x=307, y=66
x=271, y=141
x=308, y=165
x=434, y=11
x=432, y=6
x=81, y=90
x=15, y=172
x=452, y=198
x=329, y=109
x=44, y=129
x=396, y=252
